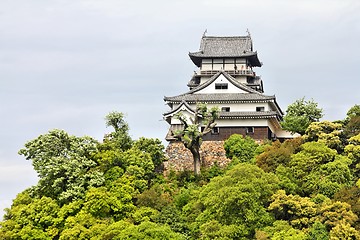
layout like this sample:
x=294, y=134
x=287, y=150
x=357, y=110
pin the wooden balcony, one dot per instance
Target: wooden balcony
x=247, y=72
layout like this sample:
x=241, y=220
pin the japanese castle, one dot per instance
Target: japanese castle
x=226, y=78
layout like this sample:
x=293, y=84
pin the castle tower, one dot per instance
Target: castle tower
x=226, y=78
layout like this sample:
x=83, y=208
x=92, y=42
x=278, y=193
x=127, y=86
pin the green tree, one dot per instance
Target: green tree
x=319, y=169
x=325, y=132
x=195, y=128
x=144, y=231
x=352, y=150
x=300, y=114
x=64, y=164
x=298, y=211
x=278, y=154
x=31, y=218
x=120, y=138
x=344, y=231
x=152, y=146
x=352, y=121
x=237, y=201
x=240, y=149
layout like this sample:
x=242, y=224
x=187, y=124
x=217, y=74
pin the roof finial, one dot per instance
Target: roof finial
x=248, y=32
x=205, y=32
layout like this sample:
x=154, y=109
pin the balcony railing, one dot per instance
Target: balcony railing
x=246, y=72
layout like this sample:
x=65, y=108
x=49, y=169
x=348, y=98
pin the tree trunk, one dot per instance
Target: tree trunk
x=196, y=156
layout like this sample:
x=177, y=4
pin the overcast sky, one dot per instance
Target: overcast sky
x=67, y=63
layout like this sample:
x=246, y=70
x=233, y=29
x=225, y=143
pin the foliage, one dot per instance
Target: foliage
x=300, y=114
x=318, y=169
x=325, y=132
x=240, y=149
x=304, y=188
x=278, y=154
x=352, y=121
x=352, y=150
x=152, y=146
x=236, y=200
x=64, y=164
x=120, y=138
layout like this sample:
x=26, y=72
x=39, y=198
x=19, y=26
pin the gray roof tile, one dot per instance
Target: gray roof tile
x=220, y=97
x=215, y=47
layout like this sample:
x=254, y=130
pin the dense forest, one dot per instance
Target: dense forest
x=304, y=188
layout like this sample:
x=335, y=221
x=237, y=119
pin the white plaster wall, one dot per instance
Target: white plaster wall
x=188, y=115
x=285, y=134
x=237, y=107
x=242, y=122
x=221, y=79
x=204, y=79
x=206, y=66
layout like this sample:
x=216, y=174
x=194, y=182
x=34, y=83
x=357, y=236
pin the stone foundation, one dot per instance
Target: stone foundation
x=180, y=158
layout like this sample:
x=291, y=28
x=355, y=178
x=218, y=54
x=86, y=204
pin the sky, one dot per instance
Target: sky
x=65, y=64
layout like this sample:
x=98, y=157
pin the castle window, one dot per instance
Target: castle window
x=215, y=131
x=221, y=86
x=250, y=130
x=260, y=109
x=225, y=109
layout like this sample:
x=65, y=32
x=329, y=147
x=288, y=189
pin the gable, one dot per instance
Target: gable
x=183, y=108
x=222, y=84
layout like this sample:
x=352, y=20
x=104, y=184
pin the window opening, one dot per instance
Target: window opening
x=221, y=86
x=215, y=131
x=225, y=109
x=250, y=130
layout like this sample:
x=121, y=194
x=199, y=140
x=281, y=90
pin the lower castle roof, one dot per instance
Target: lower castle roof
x=220, y=97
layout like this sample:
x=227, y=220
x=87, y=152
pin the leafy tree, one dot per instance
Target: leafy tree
x=280, y=230
x=278, y=154
x=352, y=121
x=333, y=213
x=298, y=211
x=240, y=149
x=152, y=146
x=31, y=218
x=325, y=132
x=191, y=135
x=144, y=231
x=236, y=201
x=318, y=231
x=350, y=195
x=64, y=164
x=300, y=114
x=344, y=231
x=352, y=150
x=120, y=138
x=319, y=169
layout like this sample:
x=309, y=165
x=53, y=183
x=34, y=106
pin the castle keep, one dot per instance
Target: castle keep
x=226, y=78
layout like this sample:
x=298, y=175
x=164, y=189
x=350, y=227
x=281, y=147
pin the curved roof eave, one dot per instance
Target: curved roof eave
x=196, y=58
x=183, y=103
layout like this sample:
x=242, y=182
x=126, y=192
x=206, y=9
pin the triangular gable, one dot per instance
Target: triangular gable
x=222, y=77
x=182, y=107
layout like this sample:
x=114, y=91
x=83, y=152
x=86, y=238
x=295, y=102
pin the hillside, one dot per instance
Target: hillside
x=304, y=188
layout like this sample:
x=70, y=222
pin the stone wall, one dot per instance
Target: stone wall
x=180, y=158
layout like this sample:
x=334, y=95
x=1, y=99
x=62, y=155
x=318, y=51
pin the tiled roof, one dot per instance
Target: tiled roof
x=228, y=77
x=183, y=103
x=265, y=114
x=217, y=47
x=225, y=46
x=220, y=97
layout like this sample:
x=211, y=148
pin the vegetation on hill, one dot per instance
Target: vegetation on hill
x=305, y=188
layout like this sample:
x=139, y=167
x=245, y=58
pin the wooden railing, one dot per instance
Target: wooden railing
x=246, y=72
